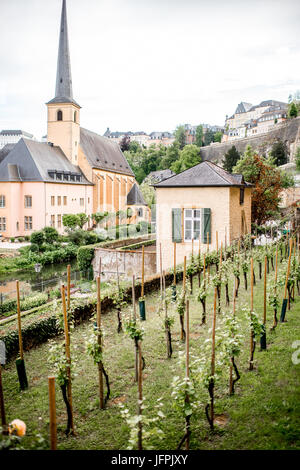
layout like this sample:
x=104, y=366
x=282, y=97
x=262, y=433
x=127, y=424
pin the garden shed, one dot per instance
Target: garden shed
x=197, y=204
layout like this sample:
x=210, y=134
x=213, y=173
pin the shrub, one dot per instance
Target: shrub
x=21, y=239
x=85, y=256
x=77, y=236
x=12, y=239
x=37, y=238
x=90, y=238
x=27, y=238
x=34, y=248
x=51, y=234
x=70, y=220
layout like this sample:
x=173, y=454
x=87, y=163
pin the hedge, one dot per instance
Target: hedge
x=26, y=304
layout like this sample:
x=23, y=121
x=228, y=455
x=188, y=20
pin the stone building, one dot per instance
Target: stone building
x=197, y=203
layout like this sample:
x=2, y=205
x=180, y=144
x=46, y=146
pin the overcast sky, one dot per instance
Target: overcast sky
x=147, y=64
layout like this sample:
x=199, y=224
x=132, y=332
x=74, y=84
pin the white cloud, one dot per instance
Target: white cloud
x=147, y=64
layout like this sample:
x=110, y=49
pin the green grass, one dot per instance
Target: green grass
x=263, y=414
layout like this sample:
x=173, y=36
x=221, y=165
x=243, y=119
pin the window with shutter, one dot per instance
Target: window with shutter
x=191, y=224
x=206, y=225
x=176, y=226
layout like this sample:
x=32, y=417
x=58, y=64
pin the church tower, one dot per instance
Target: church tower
x=63, y=111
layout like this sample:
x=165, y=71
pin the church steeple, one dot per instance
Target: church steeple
x=63, y=89
x=63, y=111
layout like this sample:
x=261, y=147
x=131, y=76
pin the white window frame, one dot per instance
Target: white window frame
x=28, y=198
x=191, y=218
x=2, y=224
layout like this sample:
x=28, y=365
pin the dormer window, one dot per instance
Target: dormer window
x=59, y=115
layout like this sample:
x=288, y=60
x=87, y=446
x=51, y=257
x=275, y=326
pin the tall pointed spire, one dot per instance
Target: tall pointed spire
x=63, y=90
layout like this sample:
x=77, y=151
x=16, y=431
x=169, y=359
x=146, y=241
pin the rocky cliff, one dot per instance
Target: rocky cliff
x=288, y=132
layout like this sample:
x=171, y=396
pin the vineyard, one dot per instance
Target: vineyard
x=209, y=362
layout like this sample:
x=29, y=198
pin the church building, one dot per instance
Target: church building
x=75, y=171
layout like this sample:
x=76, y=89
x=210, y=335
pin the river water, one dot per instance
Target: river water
x=51, y=276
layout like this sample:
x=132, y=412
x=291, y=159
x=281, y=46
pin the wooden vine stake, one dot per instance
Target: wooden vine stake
x=140, y=397
x=161, y=274
x=142, y=305
x=20, y=363
x=174, y=295
x=183, y=333
x=263, y=338
x=68, y=358
x=284, y=302
x=209, y=410
x=100, y=364
x=186, y=437
x=68, y=286
x=231, y=381
x=134, y=319
x=52, y=413
x=275, y=289
x=199, y=267
x=187, y=374
x=2, y=407
x=120, y=326
x=167, y=322
x=252, y=337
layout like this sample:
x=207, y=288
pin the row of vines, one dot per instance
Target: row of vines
x=198, y=372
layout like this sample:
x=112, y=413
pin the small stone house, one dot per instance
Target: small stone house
x=196, y=205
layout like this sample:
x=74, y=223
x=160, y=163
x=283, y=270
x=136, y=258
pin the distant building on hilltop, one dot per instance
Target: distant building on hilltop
x=143, y=139
x=252, y=120
x=13, y=136
x=190, y=131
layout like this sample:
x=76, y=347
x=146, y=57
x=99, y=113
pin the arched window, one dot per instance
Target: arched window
x=59, y=115
x=75, y=116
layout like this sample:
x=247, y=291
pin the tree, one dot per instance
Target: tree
x=172, y=154
x=279, y=153
x=218, y=136
x=125, y=143
x=297, y=159
x=199, y=136
x=148, y=193
x=208, y=137
x=70, y=220
x=82, y=219
x=293, y=111
x=37, y=238
x=51, y=234
x=231, y=158
x=145, y=160
x=180, y=136
x=134, y=147
x=268, y=182
x=188, y=157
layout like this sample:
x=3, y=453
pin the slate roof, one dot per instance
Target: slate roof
x=102, y=153
x=159, y=175
x=31, y=161
x=135, y=197
x=15, y=132
x=205, y=174
x=5, y=151
x=243, y=107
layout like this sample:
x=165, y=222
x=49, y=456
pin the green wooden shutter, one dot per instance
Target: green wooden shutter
x=176, y=226
x=205, y=225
